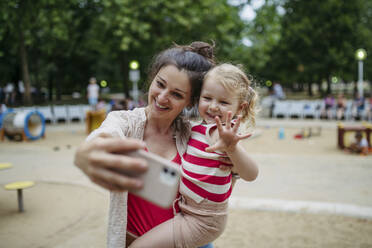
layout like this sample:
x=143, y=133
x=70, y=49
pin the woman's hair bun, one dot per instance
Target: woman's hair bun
x=203, y=48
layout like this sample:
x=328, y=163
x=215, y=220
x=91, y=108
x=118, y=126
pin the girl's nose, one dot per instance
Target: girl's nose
x=213, y=106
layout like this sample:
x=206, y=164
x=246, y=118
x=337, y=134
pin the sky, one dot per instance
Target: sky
x=248, y=13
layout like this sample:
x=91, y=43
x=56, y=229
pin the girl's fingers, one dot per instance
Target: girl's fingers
x=237, y=124
x=228, y=121
x=225, y=167
x=225, y=160
x=241, y=137
x=212, y=148
x=219, y=125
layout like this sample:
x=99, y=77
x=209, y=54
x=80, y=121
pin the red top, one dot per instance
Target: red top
x=144, y=215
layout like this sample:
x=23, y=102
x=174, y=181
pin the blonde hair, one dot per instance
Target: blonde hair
x=233, y=78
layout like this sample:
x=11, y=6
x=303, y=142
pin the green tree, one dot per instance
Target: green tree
x=65, y=42
x=15, y=22
x=264, y=32
x=137, y=30
x=44, y=35
x=318, y=40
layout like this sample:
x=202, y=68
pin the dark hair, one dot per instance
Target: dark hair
x=195, y=59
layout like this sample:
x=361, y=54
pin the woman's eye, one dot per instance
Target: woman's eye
x=207, y=98
x=160, y=84
x=224, y=103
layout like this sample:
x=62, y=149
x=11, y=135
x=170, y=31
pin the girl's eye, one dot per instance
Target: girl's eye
x=207, y=98
x=177, y=95
x=225, y=103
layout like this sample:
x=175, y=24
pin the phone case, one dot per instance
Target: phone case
x=161, y=181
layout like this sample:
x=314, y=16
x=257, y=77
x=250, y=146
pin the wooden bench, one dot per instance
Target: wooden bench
x=19, y=186
x=344, y=132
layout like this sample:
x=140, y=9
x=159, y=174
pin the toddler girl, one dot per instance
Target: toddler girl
x=226, y=100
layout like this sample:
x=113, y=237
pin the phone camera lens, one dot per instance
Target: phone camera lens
x=173, y=173
x=165, y=170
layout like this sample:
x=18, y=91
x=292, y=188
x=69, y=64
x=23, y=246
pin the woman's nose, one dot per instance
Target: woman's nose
x=163, y=97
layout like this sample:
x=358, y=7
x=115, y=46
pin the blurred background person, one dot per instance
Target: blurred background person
x=358, y=106
x=340, y=106
x=9, y=94
x=329, y=103
x=3, y=108
x=21, y=91
x=131, y=104
x=369, y=107
x=93, y=92
x=101, y=105
x=360, y=144
x=278, y=91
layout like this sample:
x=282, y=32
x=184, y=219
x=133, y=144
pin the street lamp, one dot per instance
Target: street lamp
x=360, y=55
x=134, y=76
x=134, y=65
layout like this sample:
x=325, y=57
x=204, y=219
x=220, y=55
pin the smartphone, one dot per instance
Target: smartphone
x=161, y=180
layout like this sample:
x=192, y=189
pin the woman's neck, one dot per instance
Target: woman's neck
x=159, y=125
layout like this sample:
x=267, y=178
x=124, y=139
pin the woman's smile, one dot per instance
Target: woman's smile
x=159, y=106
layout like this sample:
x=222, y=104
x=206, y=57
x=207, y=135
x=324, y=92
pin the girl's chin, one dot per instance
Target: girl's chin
x=210, y=121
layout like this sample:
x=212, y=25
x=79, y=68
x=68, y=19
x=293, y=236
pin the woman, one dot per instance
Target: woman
x=176, y=78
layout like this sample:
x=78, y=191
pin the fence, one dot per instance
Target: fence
x=314, y=109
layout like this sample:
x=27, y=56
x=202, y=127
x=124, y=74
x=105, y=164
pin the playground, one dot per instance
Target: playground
x=65, y=64
x=309, y=193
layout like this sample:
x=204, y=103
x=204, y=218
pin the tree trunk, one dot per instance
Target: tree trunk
x=24, y=68
x=50, y=87
x=310, y=90
x=319, y=83
x=329, y=91
x=125, y=71
x=301, y=86
x=59, y=91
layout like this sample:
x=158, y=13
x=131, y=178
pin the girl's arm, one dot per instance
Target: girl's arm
x=228, y=141
x=244, y=165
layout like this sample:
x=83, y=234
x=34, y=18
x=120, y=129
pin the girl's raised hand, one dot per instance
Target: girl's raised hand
x=228, y=135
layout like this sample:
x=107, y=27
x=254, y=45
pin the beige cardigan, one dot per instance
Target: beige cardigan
x=130, y=124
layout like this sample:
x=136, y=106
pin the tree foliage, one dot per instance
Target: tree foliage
x=312, y=41
x=57, y=45
x=66, y=42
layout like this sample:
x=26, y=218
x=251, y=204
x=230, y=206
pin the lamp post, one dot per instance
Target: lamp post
x=134, y=76
x=360, y=55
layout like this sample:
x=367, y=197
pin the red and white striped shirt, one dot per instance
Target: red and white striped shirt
x=201, y=176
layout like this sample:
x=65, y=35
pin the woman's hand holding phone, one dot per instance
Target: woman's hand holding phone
x=102, y=156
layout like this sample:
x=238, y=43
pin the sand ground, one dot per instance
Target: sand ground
x=308, y=193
